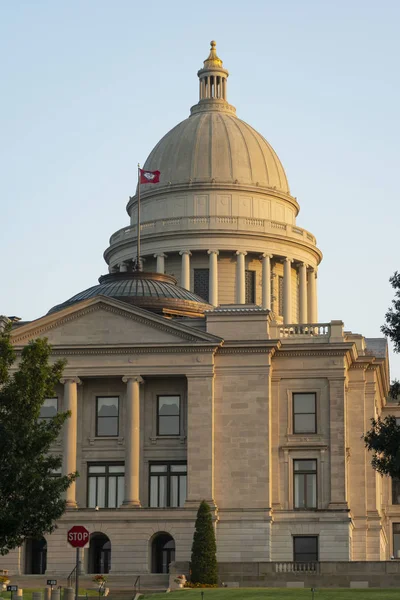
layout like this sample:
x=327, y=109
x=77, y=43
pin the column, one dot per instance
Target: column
x=240, y=277
x=266, y=281
x=160, y=266
x=185, y=273
x=132, y=441
x=200, y=439
x=303, y=313
x=213, y=277
x=123, y=267
x=337, y=446
x=70, y=435
x=287, y=291
x=312, y=296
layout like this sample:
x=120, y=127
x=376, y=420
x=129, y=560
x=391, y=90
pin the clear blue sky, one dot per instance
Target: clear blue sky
x=89, y=87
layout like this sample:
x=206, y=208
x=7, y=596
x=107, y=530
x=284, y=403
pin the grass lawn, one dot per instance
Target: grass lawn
x=280, y=594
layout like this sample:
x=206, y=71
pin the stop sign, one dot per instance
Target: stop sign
x=78, y=536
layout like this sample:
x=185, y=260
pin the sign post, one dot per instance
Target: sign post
x=78, y=537
x=12, y=589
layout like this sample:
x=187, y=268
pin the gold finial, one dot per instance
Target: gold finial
x=213, y=60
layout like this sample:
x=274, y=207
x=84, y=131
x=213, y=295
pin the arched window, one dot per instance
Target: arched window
x=162, y=553
x=35, y=556
x=99, y=553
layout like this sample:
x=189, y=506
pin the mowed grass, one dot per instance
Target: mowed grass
x=279, y=594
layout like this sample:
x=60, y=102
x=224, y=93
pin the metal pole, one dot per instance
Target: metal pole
x=138, y=263
x=77, y=575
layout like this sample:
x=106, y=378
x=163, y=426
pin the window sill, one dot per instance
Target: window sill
x=156, y=439
x=115, y=438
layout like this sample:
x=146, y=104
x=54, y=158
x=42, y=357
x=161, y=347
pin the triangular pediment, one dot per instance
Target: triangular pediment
x=103, y=321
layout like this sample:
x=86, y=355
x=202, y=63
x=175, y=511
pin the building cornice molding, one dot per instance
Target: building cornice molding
x=99, y=351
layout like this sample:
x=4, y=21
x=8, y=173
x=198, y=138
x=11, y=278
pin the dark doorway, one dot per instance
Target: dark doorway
x=35, y=556
x=163, y=553
x=99, y=553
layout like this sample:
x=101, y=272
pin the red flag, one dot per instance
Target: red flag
x=149, y=176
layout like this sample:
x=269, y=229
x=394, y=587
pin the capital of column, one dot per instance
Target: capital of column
x=288, y=260
x=239, y=252
x=135, y=378
x=266, y=255
x=72, y=379
x=213, y=252
x=182, y=252
x=160, y=254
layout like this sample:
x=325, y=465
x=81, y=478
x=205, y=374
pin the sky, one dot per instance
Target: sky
x=89, y=87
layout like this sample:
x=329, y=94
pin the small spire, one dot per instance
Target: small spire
x=213, y=60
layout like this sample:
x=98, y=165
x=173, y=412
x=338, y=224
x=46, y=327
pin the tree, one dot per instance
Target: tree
x=204, y=548
x=383, y=439
x=30, y=496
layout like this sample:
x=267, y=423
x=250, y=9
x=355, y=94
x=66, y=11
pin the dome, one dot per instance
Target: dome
x=214, y=145
x=153, y=291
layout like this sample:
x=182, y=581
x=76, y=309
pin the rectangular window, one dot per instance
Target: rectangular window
x=201, y=283
x=107, y=416
x=106, y=485
x=396, y=540
x=305, y=484
x=49, y=409
x=168, y=485
x=395, y=491
x=304, y=413
x=250, y=287
x=280, y=295
x=168, y=415
x=305, y=548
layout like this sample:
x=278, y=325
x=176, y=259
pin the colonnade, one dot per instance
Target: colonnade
x=307, y=282
x=132, y=438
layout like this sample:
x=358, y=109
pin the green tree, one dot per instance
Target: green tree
x=383, y=439
x=204, y=548
x=30, y=497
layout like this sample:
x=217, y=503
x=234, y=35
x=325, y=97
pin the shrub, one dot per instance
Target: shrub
x=204, y=549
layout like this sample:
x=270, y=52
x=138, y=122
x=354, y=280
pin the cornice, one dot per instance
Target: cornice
x=99, y=351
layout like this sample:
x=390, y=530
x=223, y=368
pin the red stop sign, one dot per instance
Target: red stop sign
x=78, y=536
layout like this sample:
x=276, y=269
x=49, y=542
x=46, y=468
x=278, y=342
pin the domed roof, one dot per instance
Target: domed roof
x=153, y=291
x=213, y=145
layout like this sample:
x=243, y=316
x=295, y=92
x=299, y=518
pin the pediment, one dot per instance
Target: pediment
x=103, y=321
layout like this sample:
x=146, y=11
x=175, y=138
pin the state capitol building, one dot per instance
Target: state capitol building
x=207, y=375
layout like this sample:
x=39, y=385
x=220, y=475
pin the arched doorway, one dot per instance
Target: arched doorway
x=162, y=553
x=35, y=556
x=99, y=553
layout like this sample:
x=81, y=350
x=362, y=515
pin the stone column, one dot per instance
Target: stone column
x=312, y=296
x=240, y=277
x=185, y=273
x=132, y=441
x=160, y=267
x=303, y=313
x=200, y=439
x=287, y=291
x=266, y=281
x=70, y=435
x=213, y=277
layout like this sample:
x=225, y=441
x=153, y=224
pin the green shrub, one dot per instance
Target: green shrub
x=204, y=568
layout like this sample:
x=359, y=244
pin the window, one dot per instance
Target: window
x=305, y=484
x=168, y=415
x=107, y=413
x=167, y=485
x=395, y=491
x=304, y=413
x=250, y=287
x=305, y=548
x=280, y=295
x=396, y=540
x=49, y=409
x=105, y=485
x=201, y=283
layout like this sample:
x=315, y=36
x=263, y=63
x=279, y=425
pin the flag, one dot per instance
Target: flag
x=149, y=176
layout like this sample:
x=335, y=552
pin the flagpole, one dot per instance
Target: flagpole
x=138, y=262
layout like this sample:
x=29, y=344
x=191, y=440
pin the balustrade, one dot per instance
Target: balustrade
x=296, y=567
